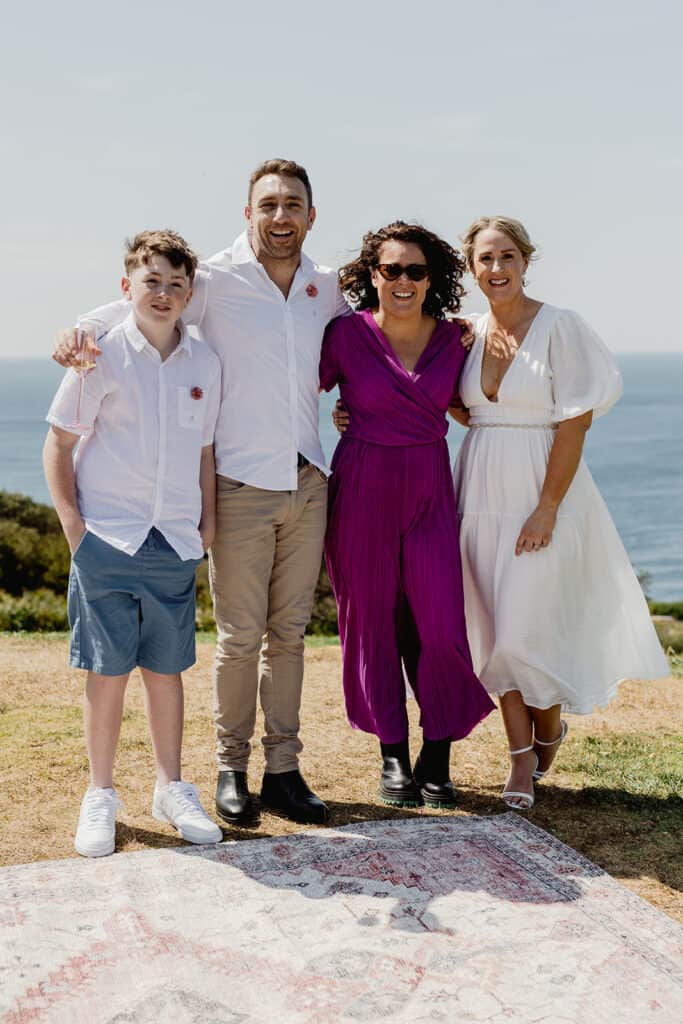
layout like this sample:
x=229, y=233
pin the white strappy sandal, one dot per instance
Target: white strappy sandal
x=528, y=798
x=550, y=743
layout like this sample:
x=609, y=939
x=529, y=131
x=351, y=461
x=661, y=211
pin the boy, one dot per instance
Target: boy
x=137, y=506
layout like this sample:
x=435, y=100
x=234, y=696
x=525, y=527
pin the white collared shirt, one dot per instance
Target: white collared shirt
x=269, y=349
x=144, y=425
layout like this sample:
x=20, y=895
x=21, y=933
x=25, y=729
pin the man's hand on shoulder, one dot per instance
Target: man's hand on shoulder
x=340, y=416
x=67, y=350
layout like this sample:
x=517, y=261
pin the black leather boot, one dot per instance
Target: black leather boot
x=288, y=793
x=432, y=774
x=396, y=785
x=234, y=802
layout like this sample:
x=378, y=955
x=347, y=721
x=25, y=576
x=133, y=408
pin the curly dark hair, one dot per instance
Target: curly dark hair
x=446, y=269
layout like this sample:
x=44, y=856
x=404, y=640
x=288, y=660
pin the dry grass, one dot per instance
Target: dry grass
x=615, y=795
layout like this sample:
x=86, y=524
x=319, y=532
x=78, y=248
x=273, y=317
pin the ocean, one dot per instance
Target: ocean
x=635, y=454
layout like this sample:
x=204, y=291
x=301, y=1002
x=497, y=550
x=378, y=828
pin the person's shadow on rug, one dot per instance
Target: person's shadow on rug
x=416, y=863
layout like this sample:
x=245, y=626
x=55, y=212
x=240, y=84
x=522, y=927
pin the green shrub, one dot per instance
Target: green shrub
x=35, y=611
x=670, y=636
x=324, y=616
x=203, y=591
x=26, y=512
x=672, y=608
x=33, y=551
x=204, y=620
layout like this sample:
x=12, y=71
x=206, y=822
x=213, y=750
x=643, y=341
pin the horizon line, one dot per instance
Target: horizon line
x=614, y=351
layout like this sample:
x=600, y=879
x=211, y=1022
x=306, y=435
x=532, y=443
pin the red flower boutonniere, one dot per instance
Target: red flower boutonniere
x=196, y=393
x=312, y=291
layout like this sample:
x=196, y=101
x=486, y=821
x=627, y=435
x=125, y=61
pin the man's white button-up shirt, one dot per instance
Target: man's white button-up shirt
x=144, y=425
x=269, y=349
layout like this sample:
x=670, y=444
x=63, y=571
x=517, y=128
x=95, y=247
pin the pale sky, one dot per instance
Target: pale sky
x=153, y=114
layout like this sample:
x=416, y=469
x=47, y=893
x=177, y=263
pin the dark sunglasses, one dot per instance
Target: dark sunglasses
x=392, y=271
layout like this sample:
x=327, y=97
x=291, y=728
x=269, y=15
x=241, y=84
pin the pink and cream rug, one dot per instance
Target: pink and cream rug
x=454, y=920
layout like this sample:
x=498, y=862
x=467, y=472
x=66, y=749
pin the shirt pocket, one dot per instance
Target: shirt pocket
x=190, y=408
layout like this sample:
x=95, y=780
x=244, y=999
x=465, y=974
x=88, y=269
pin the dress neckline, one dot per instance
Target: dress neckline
x=391, y=352
x=485, y=320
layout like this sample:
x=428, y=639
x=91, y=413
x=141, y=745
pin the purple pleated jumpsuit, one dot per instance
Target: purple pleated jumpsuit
x=392, y=537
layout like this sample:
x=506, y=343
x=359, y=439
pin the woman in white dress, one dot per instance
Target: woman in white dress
x=556, y=618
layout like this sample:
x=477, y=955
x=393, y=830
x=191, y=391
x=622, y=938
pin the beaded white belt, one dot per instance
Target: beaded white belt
x=525, y=426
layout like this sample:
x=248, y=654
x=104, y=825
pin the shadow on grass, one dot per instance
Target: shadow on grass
x=163, y=839
x=356, y=812
x=630, y=835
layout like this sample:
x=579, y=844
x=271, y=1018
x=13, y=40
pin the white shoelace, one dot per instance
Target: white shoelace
x=187, y=796
x=100, y=806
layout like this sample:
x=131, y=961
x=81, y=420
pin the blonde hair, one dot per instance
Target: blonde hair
x=514, y=229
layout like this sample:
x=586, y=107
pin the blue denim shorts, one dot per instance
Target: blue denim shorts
x=129, y=610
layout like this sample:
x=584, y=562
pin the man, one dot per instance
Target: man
x=263, y=306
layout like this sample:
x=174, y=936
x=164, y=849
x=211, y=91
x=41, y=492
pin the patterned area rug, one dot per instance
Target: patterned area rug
x=454, y=920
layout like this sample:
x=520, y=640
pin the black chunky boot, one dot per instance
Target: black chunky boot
x=432, y=775
x=397, y=786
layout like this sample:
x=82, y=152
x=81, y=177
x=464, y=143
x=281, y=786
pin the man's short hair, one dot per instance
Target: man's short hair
x=141, y=248
x=277, y=166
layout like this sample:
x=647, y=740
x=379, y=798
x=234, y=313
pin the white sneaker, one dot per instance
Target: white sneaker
x=178, y=804
x=95, y=835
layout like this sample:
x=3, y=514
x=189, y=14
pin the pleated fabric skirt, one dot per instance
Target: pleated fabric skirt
x=563, y=625
x=394, y=562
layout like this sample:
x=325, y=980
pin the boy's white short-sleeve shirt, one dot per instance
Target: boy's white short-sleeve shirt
x=145, y=423
x=269, y=348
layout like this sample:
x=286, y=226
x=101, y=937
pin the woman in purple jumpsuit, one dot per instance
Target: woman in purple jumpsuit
x=392, y=545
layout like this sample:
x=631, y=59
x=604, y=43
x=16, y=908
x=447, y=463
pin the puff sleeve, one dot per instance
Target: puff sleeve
x=585, y=375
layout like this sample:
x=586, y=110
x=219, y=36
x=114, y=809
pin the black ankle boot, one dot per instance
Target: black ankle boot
x=288, y=793
x=432, y=774
x=397, y=786
x=233, y=799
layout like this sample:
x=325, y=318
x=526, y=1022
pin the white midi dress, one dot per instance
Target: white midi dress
x=566, y=624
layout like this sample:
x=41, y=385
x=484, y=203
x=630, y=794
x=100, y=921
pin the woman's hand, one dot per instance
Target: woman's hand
x=340, y=416
x=565, y=456
x=537, y=530
x=460, y=414
x=467, y=328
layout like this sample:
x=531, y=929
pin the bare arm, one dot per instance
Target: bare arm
x=207, y=484
x=460, y=415
x=563, y=462
x=105, y=318
x=61, y=482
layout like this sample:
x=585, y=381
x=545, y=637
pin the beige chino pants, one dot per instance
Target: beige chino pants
x=263, y=569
